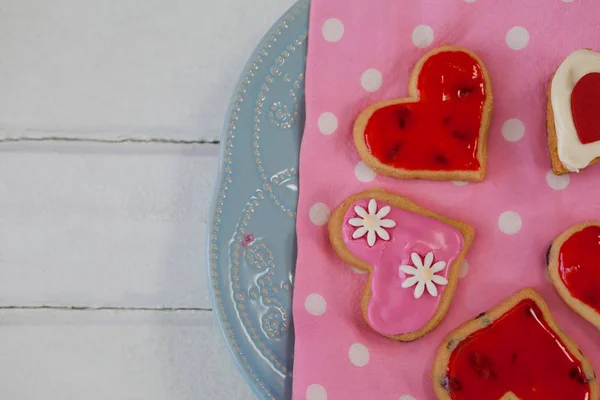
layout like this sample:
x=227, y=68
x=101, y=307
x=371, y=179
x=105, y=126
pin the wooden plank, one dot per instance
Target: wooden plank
x=108, y=69
x=49, y=354
x=105, y=224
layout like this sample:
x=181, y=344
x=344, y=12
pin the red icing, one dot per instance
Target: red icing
x=249, y=238
x=579, y=265
x=517, y=353
x=439, y=132
x=585, y=104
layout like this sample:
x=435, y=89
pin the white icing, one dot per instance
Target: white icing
x=423, y=274
x=372, y=222
x=572, y=153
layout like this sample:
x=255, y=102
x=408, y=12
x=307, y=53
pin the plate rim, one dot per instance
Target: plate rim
x=244, y=368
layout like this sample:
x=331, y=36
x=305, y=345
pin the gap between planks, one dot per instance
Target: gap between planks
x=102, y=308
x=126, y=140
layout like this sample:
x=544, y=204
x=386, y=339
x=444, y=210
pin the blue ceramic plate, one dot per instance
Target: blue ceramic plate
x=252, y=243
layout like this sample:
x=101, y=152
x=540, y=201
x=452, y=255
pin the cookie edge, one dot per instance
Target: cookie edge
x=557, y=166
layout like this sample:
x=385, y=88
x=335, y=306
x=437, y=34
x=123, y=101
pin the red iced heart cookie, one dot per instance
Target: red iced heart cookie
x=515, y=351
x=585, y=105
x=438, y=132
x=574, y=268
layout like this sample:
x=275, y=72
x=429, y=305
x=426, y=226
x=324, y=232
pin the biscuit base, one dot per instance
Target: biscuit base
x=337, y=242
x=485, y=319
x=557, y=166
x=585, y=311
x=413, y=97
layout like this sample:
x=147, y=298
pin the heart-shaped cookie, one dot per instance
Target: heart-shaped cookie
x=516, y=351
x=585, y=104
x=412, y=255
x=440, y=130
x=572, y=117
x=574, y=268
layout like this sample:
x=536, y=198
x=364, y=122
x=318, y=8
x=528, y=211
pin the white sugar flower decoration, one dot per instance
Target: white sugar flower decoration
x=372, y=223
x=424, y=274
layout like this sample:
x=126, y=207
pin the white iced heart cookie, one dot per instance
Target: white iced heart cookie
x=572, y=120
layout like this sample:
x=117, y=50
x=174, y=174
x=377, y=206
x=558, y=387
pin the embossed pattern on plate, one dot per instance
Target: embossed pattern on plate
x=251, y=241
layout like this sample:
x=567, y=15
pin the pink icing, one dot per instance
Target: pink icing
x=393, y=309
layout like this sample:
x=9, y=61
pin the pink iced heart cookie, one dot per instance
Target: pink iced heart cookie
x=413, y=257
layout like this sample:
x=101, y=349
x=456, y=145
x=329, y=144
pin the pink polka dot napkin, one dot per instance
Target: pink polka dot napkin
x=362, y=54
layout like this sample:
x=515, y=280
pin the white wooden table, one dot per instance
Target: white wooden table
x=109, y=110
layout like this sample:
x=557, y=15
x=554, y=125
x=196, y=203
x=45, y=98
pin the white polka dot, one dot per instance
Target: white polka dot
x=469, y=1
x=319, y=214
x=359, y=271
x=408, y=396
x=513, y=129
x=517, y=37
x=371, y=80
x=363, y=173
x=359, y=354
x=422, y=36
x=567, y=1
x=557, y=182
x=460, y=183
x=316, y=392
x=328, y=123
x=510, y=222
x=315, y=304
x=333, y=30
x=464, y=269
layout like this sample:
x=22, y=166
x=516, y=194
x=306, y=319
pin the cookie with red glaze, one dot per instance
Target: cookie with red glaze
x=515, y=351
x=440, y=130
x=574, y=269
